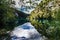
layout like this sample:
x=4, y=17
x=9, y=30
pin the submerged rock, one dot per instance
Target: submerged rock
x=25, y=32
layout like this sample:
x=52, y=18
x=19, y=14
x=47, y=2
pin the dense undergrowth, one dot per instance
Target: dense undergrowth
x=46, y=18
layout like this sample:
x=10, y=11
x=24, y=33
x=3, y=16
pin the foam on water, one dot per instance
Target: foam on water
x=25, y=32
x=25, y=6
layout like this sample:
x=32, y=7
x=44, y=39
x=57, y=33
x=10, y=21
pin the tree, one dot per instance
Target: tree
x=7, y=16
x=46, y=18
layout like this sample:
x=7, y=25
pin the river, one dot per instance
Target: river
x=26, y=31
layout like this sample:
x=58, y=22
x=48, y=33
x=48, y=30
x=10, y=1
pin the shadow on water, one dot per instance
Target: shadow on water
x=22, y=17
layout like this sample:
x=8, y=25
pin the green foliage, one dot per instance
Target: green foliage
x=7, y=16
x=46, y=19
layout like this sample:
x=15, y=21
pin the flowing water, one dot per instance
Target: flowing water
x=26, y=32
x=26, y=6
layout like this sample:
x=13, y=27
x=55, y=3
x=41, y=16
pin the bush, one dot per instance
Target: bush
x=46, y=19
x=7, y=16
